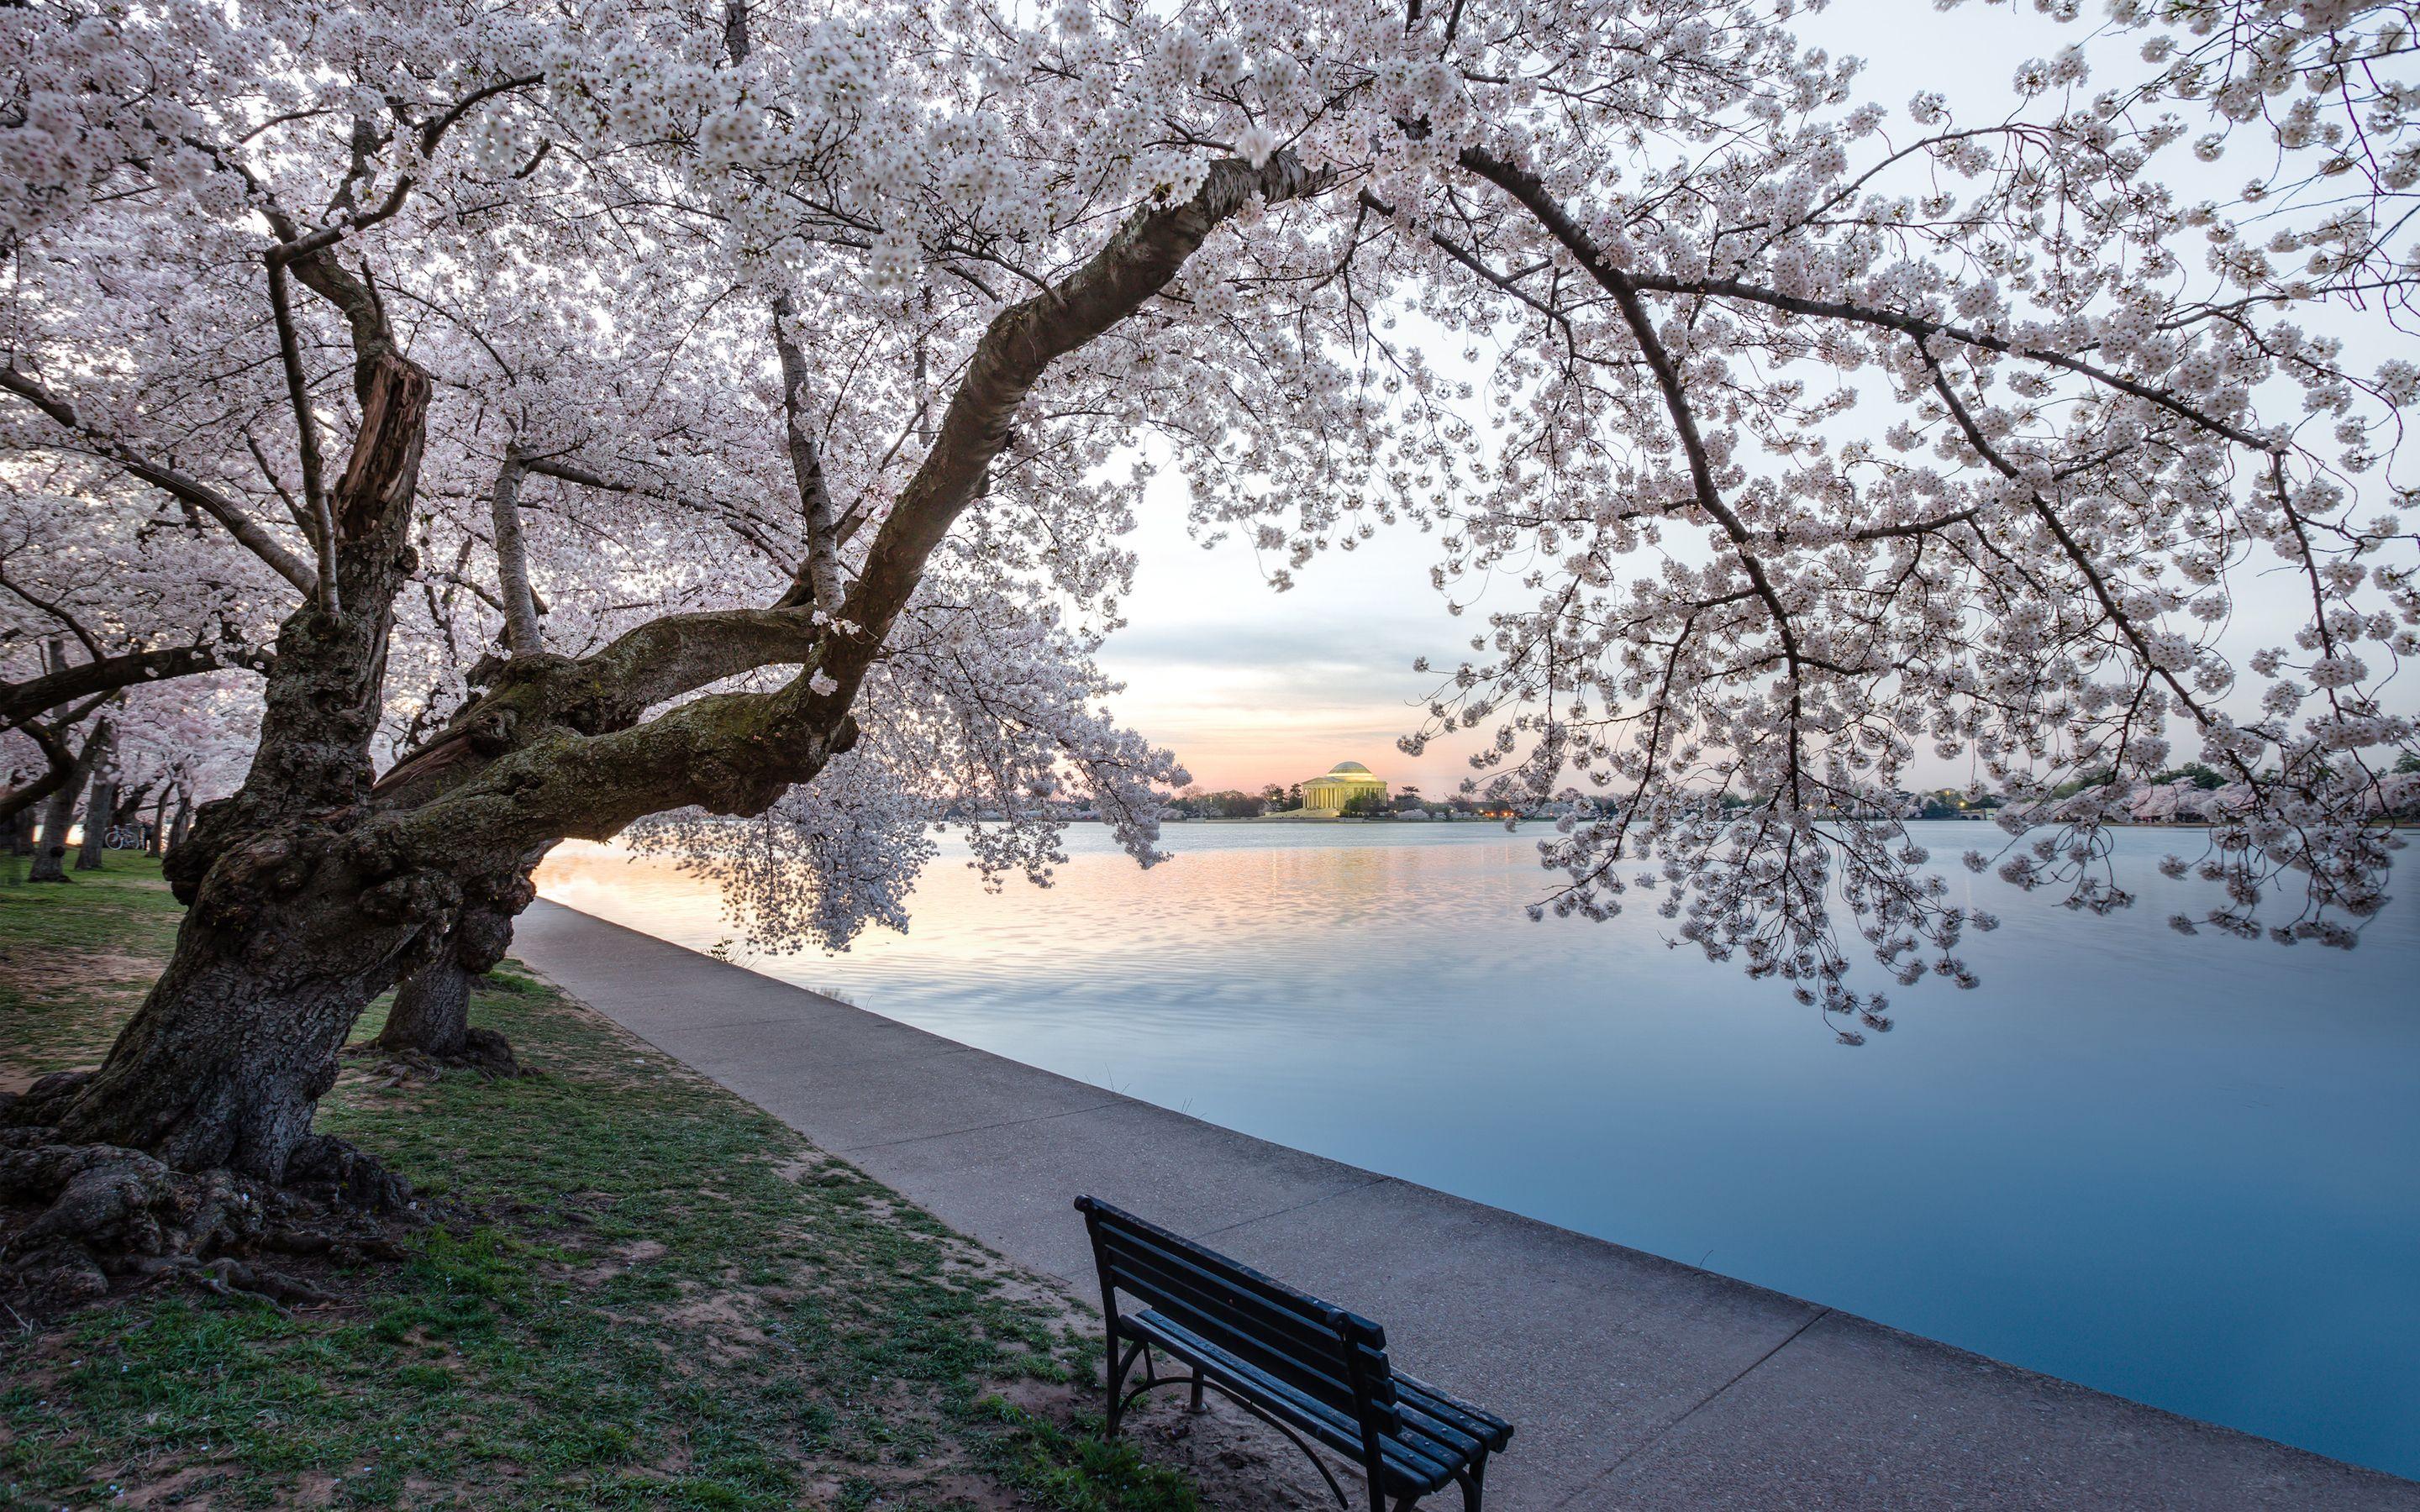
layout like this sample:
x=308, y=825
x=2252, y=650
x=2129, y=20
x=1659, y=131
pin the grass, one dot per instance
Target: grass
x=651, y=1295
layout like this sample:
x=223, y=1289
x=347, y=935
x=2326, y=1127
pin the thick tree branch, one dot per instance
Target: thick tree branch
x=58, y=765
x=818, y=578
x=736, y=752
x=67, y=769
x=1019, y=345
x=21, y=702
x=523, y=635
x=306, y=433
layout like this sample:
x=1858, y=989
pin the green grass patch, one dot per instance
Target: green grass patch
x=647, y=1293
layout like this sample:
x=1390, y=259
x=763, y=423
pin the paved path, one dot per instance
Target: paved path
x=1635, y=1381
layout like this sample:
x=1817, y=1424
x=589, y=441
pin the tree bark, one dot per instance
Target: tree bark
x=297, y=919
x=62, y=683
x=432, y=1011
x=51, y=850
x=129, y=806
x=51, y=845
x=820, y=569
x=182, y=825
x=156, y=842
x=99, y=810
x=522, y=636
x=431, y=1016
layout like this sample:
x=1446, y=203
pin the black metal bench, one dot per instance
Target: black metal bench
x=1304, y=1366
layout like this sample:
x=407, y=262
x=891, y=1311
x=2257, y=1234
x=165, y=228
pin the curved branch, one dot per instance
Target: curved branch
x=1525, y=189
x=21, y=703
x=191, y=491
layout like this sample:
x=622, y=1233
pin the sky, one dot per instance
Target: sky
x=1249, y=686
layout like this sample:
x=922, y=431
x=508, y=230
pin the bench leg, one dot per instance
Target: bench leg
x=1118, y=1368
x=1196, y=1390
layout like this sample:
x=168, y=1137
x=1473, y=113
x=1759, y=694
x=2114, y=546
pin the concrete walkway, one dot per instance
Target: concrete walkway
x=1635, y=1381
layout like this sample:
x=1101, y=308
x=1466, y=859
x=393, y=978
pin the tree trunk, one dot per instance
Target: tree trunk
x=51, y=845
x=431, y=1016
x=432, y=1011
x=51, y=850
x=182, y=825
x=298, y=916
x=155, y=841
x=100, y=812
x=21, y=844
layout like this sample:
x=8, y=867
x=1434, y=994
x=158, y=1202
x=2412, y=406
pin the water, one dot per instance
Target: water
x=2185, y=1171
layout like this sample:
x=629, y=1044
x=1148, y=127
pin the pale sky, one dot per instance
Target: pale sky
x=1249, y=686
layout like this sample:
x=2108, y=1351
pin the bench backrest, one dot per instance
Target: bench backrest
x=1330, y=1356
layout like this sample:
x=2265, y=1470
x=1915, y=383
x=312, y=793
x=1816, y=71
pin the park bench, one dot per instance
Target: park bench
x=1304, y=1366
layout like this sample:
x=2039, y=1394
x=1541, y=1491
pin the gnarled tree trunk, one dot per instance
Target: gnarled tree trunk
x=295, y=921
x=432, y=1011
x=99, y=814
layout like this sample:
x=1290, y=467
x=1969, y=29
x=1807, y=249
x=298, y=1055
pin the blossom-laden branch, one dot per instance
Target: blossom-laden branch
x=1780, y=446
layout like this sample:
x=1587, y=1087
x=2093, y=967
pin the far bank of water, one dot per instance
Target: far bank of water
x=2183, y=1170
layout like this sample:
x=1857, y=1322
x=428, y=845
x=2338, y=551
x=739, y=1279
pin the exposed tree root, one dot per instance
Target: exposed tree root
x=41, y=1103
x=227, y=1275
x=483, y=1051
x=99, y=1212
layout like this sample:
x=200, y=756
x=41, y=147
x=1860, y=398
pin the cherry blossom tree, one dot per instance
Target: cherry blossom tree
x=634, y=418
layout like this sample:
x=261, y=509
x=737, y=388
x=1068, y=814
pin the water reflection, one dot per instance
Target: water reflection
x=2178, y=1169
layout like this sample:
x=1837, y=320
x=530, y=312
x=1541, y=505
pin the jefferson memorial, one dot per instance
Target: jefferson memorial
x=1344, y=782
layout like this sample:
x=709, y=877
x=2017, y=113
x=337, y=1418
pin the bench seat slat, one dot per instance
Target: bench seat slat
x=1308, y=1336
x=1321, y=1376
x=1484, y=1426
x=1415, y=1463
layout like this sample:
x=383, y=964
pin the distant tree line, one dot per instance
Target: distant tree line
x=1234, y=803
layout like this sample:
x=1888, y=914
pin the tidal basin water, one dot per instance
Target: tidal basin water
x=2183, y=1170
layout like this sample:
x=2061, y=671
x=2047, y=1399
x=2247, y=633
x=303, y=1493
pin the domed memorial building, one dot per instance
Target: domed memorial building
x=1344, y=782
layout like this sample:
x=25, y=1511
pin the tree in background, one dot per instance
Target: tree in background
x=632, y=419
x=59, y=815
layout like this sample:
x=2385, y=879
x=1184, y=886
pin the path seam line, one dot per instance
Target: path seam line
x=1657, y=1437
x=979, y=1128
x=1279, y=1212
